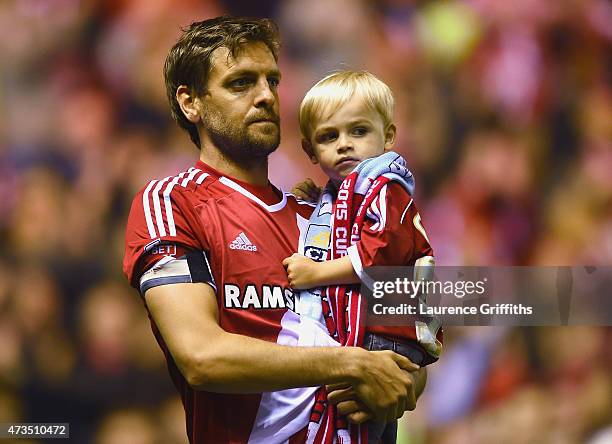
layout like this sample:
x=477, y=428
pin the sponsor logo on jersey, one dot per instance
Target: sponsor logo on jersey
x=242, y=242
x=252, y=296
x=165, y=249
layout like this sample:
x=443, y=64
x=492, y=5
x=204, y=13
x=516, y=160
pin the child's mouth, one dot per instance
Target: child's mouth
x=346, y=161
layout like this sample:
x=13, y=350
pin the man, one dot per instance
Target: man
x=205, y=249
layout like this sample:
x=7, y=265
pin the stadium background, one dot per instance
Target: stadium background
x=504, y=111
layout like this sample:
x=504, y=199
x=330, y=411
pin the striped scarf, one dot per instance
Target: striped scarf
x=336, y=224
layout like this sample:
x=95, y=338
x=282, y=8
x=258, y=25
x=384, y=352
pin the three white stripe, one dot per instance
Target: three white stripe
x=154, y=188
x=147, y=210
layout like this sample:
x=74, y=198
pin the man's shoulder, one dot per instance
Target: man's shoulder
x=162, y=203
x=163, y=212
x=183, y=185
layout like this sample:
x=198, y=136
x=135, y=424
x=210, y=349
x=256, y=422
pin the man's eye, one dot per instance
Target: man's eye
x=240, y=83
x=274, y=82
x=360, y=131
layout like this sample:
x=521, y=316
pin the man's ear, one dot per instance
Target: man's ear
x=307, y=147
x=390, y=136
x=188, y=103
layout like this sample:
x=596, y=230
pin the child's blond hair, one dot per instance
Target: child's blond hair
x=336, y=89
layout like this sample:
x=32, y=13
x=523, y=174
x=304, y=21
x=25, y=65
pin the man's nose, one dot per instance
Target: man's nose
x=264, y=94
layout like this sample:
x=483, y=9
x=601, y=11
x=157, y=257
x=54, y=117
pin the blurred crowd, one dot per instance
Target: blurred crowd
x=504, y=113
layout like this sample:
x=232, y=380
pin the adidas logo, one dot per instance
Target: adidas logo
x=242, y=243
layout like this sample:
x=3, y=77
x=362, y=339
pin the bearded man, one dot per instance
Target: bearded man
x=205, y=250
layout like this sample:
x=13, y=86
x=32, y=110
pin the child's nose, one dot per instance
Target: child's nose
x=344, y=143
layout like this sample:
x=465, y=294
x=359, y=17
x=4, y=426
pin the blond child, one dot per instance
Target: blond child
x=346, y=118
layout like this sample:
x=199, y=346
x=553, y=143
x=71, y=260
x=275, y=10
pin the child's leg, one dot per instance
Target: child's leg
x=380, y=432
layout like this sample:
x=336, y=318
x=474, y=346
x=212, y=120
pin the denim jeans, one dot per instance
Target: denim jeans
x=380, y=432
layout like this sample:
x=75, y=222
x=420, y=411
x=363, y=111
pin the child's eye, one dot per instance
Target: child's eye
x=326, y=137
x=360, y=131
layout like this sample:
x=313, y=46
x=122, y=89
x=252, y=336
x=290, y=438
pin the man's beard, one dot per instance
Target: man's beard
x=243, y=143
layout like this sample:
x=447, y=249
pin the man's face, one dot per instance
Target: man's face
x=353, y=133
x=240, y=105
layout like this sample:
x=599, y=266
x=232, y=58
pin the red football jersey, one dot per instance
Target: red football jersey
x=393, y=235
x=245, y=232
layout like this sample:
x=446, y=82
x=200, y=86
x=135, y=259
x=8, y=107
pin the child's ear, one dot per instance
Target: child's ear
x=307, y=147
x=390, y=132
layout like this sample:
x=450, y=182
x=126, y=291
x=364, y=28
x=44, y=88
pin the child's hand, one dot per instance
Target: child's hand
x=301, y=271
x=306, y=190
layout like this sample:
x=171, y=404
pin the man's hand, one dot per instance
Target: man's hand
x=355, y=410
x=301, y=271
x=307, y=190
x=347, y=402
x=384, y=384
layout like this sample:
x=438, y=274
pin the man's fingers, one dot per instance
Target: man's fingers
x=404, y=363
x=341, y=395
x=407, y=402
x=401, y=408
x=411, y=400
x=308, y=186
x=350, y=406
x=359, y=417
x=337, y=386
x=314, y=190
x=300, y=194
x=306, y=190
x=355, y=411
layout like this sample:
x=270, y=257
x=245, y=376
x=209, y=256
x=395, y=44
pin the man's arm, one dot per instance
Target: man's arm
x=214, y=360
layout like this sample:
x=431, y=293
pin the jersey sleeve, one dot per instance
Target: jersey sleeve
x=393, y=234
x=162, y=226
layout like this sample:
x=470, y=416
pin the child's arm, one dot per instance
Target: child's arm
x=397, y=237
x=305, y=273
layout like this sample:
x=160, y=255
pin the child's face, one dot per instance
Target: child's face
x=353, y=133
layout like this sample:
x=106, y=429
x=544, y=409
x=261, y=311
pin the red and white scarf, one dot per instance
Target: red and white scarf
x=344, y=309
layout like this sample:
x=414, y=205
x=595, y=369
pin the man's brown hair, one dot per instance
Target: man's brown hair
x=188, y=62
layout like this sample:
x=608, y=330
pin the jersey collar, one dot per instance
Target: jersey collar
x=258, y=194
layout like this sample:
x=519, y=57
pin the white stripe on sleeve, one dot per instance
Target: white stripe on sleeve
x=405, y=210
x=192, y=173
x=157, y=206
x=201, y=178
x=147, y=209
x=168, y=203
x=382, y=202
